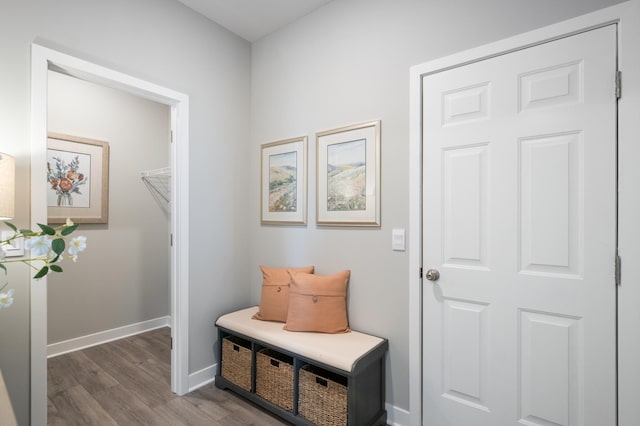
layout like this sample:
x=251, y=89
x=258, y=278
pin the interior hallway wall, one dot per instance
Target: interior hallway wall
x=347, y=63
x=165, y=43
x=123, y=276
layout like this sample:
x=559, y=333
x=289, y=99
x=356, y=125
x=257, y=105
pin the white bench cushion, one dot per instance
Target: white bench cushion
x=337, y=350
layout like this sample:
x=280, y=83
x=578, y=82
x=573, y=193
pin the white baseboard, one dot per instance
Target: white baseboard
x=202, y=377
x=101, y=337
x=397, y=416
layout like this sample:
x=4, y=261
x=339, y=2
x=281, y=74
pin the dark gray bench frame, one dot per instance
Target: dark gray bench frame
x=365, y=383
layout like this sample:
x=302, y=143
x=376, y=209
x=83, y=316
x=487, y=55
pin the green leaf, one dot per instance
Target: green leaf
x=57, y=245
x=12, y=226
x=27, y=232
x=3, y=267
x=68, y=229
x=47, y=229
x=55, y=259
x=55, y=268
x=42, y=272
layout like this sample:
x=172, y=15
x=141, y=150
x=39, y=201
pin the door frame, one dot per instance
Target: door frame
x=627, y=16
x=42, y=60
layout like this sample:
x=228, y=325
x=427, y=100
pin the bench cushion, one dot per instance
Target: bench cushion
x=337, y=350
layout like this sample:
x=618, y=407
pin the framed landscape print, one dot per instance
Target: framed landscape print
x=283, y=193
x=77, y=179
x=348, y=176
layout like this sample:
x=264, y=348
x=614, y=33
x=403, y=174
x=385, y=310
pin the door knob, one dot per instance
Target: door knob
x=433, y=275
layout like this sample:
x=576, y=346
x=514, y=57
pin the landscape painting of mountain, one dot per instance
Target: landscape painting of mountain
x=346, y=176
x=283, y=188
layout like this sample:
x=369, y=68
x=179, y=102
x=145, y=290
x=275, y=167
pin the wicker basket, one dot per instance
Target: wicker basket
x=322, y=396
x=236, y=361
x=274, y=378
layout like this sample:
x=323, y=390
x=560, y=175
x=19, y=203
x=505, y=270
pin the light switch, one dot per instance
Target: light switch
x=15, y=248
x=397, y=239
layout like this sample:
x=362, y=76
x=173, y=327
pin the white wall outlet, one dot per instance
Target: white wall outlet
x=397, y=240
x=15, y=248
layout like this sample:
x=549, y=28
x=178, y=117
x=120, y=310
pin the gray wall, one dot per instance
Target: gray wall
x=347, y=63
x=167, y=44
x=89, y=297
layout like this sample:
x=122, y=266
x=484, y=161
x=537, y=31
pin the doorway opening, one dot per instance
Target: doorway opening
x=44, y=60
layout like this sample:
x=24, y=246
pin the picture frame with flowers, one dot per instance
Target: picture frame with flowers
x=77, y=179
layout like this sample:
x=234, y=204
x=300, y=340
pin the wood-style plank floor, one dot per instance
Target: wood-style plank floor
x=127, y=382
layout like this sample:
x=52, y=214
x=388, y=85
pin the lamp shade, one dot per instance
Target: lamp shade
x=7, y=186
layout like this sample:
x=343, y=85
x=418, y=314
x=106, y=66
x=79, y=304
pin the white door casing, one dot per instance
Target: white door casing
x=42, y=59
x=520, y=218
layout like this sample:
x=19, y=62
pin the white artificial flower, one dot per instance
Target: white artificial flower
x=6, y=299
x=69, y=222
x=77, y=245
x=39, y=246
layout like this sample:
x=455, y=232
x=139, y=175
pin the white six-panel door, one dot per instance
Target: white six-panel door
x=520, y=221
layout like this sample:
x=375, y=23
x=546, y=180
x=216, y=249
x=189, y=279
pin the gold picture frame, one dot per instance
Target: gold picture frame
x=77, y=179
x=348, y=176
x=283, y=182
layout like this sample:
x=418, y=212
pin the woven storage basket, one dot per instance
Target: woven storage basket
x=322, y=396
x=236, y=361
x=274, y=378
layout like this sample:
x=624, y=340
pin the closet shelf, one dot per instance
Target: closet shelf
x=159, y=182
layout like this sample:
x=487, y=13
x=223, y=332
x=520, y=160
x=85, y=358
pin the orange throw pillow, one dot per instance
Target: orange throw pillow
x=274, y=300
x=318, y=303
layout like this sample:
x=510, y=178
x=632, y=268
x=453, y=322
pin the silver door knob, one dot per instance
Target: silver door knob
x=433, y=275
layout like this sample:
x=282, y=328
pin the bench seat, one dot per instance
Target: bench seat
x=354, y=358
x=337, y=350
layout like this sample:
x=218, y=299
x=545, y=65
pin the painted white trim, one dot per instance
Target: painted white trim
x=397, y=416
x=83, y=342
x=42, y=59
x=628, y=214
x=202, y=377
x=180, y=248
x=627, y=15
x=38, y=301
x=415, y=250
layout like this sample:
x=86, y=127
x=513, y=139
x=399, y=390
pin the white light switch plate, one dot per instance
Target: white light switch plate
x=397, y=240
x=16, y=248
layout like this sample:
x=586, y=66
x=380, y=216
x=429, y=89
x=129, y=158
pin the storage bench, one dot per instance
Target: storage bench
x=335, y=378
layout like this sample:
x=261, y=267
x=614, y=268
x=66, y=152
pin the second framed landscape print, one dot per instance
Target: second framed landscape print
x=348, y=176
x=283, y=177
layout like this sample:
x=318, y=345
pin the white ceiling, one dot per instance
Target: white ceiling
x=253, y=19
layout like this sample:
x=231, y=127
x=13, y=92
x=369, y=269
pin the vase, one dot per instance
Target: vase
x=65, y=200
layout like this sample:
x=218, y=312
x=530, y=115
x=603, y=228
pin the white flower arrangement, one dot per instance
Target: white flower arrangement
x=47, y=248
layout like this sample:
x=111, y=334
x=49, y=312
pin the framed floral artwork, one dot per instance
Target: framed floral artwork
x=283, y=181
x=348, y=176
x=77, y=179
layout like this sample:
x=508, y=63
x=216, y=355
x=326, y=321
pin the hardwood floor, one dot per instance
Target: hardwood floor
x=127, y=382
